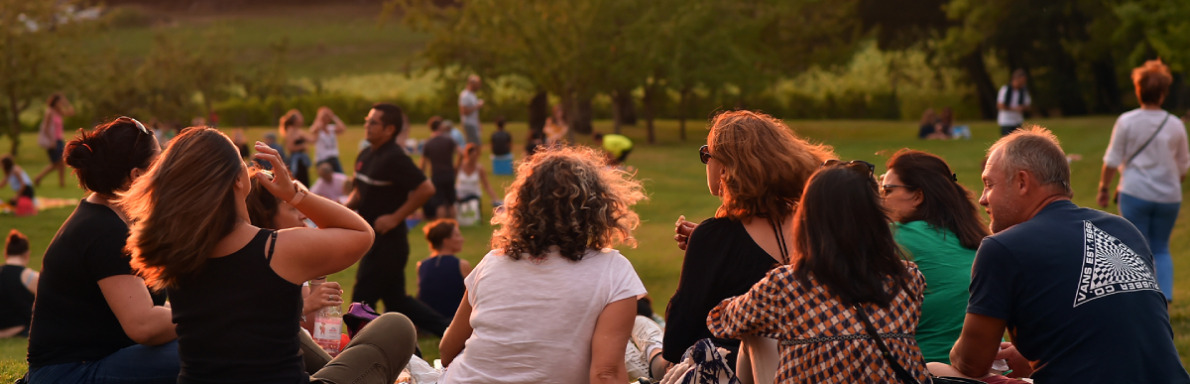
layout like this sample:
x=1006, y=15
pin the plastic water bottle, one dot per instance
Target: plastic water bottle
x=328, y=323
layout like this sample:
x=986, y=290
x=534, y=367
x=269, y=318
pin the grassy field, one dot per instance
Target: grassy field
x=675, y=182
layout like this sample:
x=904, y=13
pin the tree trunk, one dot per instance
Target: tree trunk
x=539, y=111
x=14, y=123
x=1064, y=81
x=648, y=102
x=977, y=74
x=580, y=116
x=683, y=98
x=622, y=99
x=616, y=112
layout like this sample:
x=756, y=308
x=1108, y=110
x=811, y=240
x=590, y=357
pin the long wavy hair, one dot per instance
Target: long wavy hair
x=842, y=238
x=183, y=206
x=569, y=198
x=765, y=165
x=945, y=203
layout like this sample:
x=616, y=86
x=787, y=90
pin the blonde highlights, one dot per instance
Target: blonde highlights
x=183, y=206
x=570, y=198
x=765, y=165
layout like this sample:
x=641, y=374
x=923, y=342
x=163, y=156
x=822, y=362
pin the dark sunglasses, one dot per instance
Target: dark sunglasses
x=704, y=154
x=138, y=125
x=886, y=189
x=853, y=164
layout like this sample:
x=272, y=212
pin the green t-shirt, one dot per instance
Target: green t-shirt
x=616, y=144
x=947, y=267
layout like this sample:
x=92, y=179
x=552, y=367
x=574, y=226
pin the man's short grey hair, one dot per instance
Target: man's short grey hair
x=1036, y=150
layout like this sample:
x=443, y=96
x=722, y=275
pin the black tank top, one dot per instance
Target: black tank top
x=238, y=320
x=16, y=302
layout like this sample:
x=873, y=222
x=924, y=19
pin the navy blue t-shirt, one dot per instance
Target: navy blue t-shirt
x=1077, y=290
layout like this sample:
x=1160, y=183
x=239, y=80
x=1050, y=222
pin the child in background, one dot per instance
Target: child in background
x=440, y=276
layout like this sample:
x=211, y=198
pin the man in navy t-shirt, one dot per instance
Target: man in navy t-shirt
x=1074, y=287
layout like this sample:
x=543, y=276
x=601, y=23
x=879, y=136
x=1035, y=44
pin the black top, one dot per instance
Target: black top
x=721, y=261
x=238, y=321
x=16, y=302
x=384, y=176
x=440, y=150
x=73, y=322
x=501, y=143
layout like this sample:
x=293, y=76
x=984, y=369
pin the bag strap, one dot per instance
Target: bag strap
x=1150, y=140
x=871, y=329
x=779, y=231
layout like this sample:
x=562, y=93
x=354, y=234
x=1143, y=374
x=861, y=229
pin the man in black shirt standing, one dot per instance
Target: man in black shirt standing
x=388, y=188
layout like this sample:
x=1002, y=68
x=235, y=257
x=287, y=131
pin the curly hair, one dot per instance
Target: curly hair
x=570, y=199
x=183, y=206
x=766, y=166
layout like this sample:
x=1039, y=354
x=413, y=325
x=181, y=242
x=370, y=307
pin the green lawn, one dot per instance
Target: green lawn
x=675, y=182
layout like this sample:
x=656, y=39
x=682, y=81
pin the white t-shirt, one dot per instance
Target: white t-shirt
x=332, y=190
x=1155, y=174
x=327, y=144
x=533, y=321
x=1009, y=118
x=469, y=100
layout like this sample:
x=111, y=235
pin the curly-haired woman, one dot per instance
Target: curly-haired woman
x=551, y=303
x=757, y=168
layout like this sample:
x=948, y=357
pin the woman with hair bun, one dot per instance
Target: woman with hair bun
x=94, y=320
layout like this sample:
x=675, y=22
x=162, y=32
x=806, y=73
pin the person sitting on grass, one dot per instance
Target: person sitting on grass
x=18, y=285
x=617, y=147
x=440, y=276
x=235, y=287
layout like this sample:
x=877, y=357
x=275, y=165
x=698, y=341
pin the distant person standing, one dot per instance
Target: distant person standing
x=389, y=188
x=615, y=146
x=49, y=136
x=1012, y=101
x=297, y=144
x=326, y=130
x=501, y=150
x=1149, y=149
x=438, y=160
x=469, y=106
x=18, y=284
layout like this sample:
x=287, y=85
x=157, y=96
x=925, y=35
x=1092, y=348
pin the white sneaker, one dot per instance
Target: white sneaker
x=647, y=336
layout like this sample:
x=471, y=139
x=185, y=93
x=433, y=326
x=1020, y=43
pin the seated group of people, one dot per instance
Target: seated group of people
x=812, y=272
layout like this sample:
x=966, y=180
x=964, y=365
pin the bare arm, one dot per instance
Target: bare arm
x=29, y=278
x=978, y=345
x=352, y=199
x=417, y=198
x=464, y=267
x=457, y=333
x=142, y=321
x=607, y=343
x=483, y=180
x=1105, y=179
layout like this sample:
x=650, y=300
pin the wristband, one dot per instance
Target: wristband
x=299, y=194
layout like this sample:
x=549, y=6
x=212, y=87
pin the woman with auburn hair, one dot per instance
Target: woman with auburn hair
x=297, y=144
x=846, y=282
x=936, y=222
x=93, y=319
x=551, y=259
x=230, y=281
x=758, y=169
x=1148, y=148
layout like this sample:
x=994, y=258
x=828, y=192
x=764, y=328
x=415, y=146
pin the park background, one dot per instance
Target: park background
x=855, y=74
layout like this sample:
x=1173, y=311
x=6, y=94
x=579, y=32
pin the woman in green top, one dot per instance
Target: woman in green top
x=935, y=221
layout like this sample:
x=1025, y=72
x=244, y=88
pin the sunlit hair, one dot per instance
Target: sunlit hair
x=262, y=206
x=1152, y=81
x=438, y=231
x=16, y=244
x=842, y=238
x=104, y=158
x=183, y=206
x=566, y=197
x=1036, y=150
x=289, y=119
x=945, y=203
x=765, y=165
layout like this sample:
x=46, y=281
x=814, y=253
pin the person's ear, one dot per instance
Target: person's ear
x=918, y=197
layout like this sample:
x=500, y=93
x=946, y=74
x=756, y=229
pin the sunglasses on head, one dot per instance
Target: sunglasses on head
x=138, y=125
x=704, y=154
x=858, y=165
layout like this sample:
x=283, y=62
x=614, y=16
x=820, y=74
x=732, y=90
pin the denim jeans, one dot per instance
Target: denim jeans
x=1155, y=221
x=132, y=364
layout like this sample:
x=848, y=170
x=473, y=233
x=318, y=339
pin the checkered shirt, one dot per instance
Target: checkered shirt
x=821, y=340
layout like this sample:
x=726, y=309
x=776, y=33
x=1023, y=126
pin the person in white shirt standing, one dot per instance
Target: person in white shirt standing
x=469, y=106
x=1012, y=101
x=1149, y=149
x=326, y=129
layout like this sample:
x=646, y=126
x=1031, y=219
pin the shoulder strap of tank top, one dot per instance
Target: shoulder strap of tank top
x=780, y=232
x=272, y=245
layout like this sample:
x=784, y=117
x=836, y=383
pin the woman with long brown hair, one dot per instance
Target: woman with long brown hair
x=846, y=296
x=936, y=222
x=230, y=281
x=758, y=169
